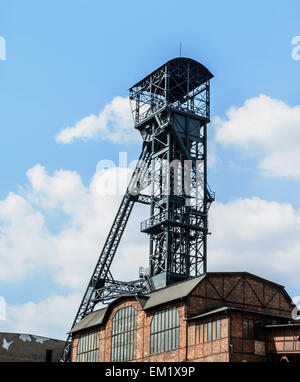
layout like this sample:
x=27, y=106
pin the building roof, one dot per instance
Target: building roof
x=161, y=296
x=227, y=308
x=171, y=293
x=167, y=294
x=206, y=74
x=142, y=300
x=92, y=319
x=24, y=347
x=244, y=273
x=289, y=325
x=25, y=337
x=208, y=313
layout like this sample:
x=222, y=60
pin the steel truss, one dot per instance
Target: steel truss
x=170, y=108
x=102, y=285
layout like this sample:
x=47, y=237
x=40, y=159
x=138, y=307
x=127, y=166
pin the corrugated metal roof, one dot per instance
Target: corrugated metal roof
x=289, y=325
x=172, y=292
x=218, y=310
x=92, y=319
x=167, y=294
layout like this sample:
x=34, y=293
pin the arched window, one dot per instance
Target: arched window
x=164, y=331
x=88, y=347
x=123, y=340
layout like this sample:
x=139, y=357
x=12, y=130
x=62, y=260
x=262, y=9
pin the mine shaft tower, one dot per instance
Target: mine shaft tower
x=171, y=109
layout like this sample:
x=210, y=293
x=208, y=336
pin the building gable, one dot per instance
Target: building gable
x=239, y=289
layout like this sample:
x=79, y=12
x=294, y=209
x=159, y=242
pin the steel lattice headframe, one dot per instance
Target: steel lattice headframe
x=171, y=109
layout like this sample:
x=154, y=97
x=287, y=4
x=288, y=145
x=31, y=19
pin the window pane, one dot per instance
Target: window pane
x=214, y=330
x=218, y=334
x=124, y=335
x=161, y=325
x=164, y=331
x=250, y=329
x=205, y=332
x=209, y=328
x=245, y=328
x=88, y=347
x=177, y=337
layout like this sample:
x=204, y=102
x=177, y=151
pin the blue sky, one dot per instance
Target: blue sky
x=67, y=59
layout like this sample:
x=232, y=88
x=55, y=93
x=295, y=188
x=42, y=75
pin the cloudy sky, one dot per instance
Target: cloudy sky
x=64, y=108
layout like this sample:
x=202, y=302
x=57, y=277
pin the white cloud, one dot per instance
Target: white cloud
x=267, y=127
x=247, y=235
x=23, y=236
x=69, y=255
x=256, y=236
x=26, y=244
x=113, y=124
x=51, y=317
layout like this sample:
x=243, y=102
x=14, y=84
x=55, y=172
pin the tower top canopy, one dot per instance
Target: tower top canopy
x=180, y=84
x=180, y=76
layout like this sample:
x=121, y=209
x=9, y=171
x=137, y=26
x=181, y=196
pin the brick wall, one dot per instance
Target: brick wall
x=144, y=319
x=189, y=350
x=239, y=290
x=216, y=350
x=244, y=349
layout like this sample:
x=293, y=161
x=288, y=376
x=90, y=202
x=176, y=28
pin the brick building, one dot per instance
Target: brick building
x=222, y=317
x=20, y=347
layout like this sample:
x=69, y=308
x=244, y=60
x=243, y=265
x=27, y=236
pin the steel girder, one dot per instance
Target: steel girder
x=171, y=110
x=102, y=285
x=180, y=199
x=171, y=107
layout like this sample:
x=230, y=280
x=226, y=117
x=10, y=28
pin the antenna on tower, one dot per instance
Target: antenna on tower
x=180, y=49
